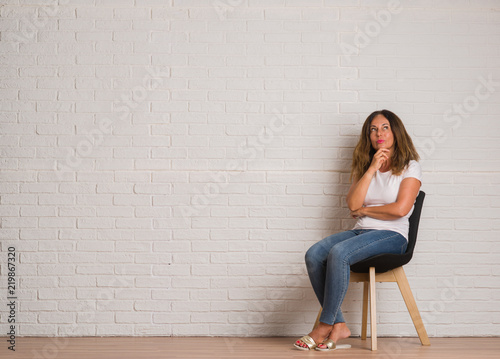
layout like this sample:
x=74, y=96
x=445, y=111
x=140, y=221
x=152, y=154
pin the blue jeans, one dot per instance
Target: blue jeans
x=328, y=264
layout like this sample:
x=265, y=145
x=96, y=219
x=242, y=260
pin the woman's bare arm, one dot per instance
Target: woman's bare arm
x=357, y=192
x=407, y=194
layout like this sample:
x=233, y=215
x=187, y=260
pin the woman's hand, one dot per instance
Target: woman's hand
x=379, y=158
x=359, y=187
x=358, y=213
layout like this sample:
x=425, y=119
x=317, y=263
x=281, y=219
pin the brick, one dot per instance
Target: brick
x=59, y=318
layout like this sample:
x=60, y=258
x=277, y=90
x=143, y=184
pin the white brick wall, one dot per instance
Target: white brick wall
x=203, y=146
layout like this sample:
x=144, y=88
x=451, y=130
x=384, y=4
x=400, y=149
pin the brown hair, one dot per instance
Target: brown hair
x=404, y=150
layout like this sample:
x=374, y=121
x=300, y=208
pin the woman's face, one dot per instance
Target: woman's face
x=381, y=135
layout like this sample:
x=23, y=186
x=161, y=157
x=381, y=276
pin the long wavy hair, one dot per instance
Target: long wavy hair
x=404, y=150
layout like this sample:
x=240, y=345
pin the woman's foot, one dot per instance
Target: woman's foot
x=318, y=334
x=339, y=332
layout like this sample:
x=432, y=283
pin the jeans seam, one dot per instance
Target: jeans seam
x=403, y=249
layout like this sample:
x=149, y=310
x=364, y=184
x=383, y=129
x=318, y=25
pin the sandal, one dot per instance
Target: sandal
x=330, y=345
x=307, y=340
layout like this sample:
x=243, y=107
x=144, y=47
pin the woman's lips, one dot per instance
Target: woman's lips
x=380, y=141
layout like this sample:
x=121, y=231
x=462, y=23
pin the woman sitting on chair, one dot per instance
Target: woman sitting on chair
x=386, y=179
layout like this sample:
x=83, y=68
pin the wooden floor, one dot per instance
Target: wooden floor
x=234, y=348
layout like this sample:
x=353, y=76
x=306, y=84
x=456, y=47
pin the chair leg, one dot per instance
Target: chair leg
x=405, y=289
x=373, y=310
x=364, y=320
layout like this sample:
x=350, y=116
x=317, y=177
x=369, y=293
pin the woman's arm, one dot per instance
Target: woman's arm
x=407, y=194
x=357, y=192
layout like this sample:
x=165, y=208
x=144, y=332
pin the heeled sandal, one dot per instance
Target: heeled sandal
x=307, y=340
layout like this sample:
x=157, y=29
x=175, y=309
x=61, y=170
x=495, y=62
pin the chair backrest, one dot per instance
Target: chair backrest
x=414, y=221
x=386, y=262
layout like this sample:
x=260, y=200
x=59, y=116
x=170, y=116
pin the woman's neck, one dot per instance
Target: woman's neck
x=386, y=166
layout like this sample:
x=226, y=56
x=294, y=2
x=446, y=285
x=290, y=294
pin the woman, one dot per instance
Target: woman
x=386, y=179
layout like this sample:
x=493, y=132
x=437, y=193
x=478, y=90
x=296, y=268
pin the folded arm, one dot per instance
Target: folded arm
x=407, y=194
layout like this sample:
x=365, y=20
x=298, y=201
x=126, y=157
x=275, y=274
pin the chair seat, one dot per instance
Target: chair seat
x=382, y=263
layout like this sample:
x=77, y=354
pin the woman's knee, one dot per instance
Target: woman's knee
x=336, y=254
x=312, y=255
x=309, y=254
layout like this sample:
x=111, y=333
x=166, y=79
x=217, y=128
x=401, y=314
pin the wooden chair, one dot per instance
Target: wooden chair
x=389, y=268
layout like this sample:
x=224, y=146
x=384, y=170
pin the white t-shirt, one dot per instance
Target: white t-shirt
x=383, y=190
